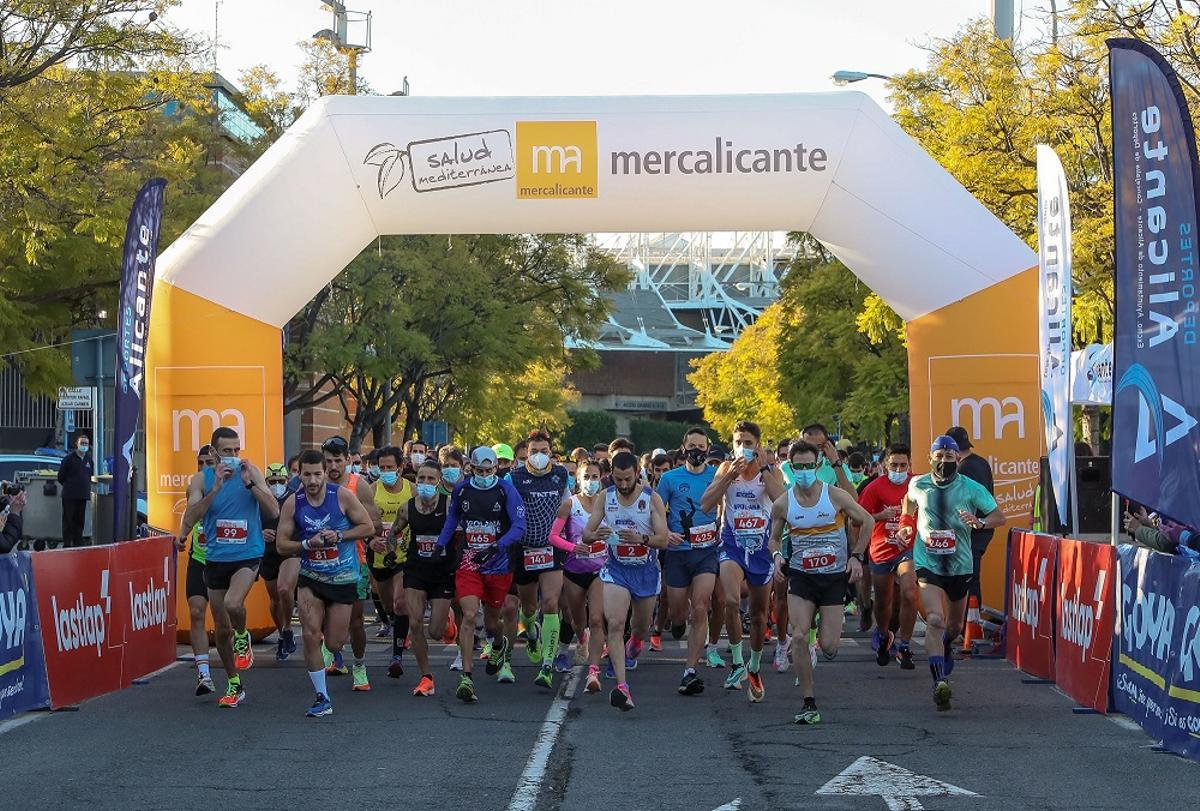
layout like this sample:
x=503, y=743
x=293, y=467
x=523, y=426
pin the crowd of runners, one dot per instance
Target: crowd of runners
x=584, y=559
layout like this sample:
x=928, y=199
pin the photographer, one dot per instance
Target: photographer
x=12, y=502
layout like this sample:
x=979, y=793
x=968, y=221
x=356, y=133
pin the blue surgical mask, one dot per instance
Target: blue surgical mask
x=389, y=478
x=427, y=491
x=570, y=482
x=591, y=487
x=484, y=482
x=805, y=478
x=232, y=462
x=83, y=449
x=375, y=471
x=748, y=454
x=353, y=468
x=897, y=476
x=452, y=475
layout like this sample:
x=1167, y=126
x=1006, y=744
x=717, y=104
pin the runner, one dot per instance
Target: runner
x=814, y=516
x=490, y=512
x=746, y=487
x=324, y=523
x=939, y=514
x=279, y=572
x=451, y=460
x=428, y=568
x=631, y=573
x=583, y=587
x=387, y=555
x=197, y=592
x=230, y=500
x=691, y=559
x=537, y=561
x=891, y=559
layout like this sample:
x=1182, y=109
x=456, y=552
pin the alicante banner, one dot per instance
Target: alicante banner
x=1054, y=320
x=1156, y=447
x=133, y=326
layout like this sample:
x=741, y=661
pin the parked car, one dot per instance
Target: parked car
x=20, y=467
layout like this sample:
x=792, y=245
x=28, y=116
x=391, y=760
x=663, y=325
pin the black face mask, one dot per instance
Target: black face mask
x=695, y=456
x=944, y=471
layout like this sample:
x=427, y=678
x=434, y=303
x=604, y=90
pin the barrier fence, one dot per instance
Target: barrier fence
x=79, y=623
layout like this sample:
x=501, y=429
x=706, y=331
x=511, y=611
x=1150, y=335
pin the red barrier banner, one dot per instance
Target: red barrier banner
x=1030, y=609
x=143, y=570
x=1083, y=622
x=82, y=622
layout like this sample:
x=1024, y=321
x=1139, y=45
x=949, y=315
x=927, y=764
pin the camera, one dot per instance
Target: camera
x=11, y=488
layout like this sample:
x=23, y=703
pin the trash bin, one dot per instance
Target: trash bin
x=43, y=507
x=102, y=510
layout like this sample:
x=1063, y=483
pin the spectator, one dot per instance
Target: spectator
x=75, y=475
x=1161, y=536
x=11, y=523
x=974, y=466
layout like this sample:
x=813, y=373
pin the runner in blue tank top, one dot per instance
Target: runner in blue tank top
x=323, y=523
x=230, y=501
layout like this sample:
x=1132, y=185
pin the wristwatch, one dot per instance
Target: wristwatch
x=339, y=536
x=645, y=539
x=860, y=557
x=250, y=484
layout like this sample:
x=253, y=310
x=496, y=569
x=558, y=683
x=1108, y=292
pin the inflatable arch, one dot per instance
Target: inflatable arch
x=832, y=164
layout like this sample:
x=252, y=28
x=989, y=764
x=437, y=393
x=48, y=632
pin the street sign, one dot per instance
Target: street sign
x=76, y=398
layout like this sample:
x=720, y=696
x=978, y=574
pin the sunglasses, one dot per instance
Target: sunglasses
x=335, y=444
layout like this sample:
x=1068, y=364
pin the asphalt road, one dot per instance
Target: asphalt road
x=1011, y=744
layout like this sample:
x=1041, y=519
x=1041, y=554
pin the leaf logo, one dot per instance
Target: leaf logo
x=387, y=157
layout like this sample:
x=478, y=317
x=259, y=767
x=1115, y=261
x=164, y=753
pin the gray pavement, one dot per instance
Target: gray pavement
x=1012, y=744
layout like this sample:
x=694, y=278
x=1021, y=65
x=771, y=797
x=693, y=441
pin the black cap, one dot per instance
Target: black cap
x=960, y=437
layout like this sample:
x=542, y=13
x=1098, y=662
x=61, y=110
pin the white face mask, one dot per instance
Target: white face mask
x=897, y=476
x=539, y=461
x=591, y=487
x=417, y=459
x=278, y=490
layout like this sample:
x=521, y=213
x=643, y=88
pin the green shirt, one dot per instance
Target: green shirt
x=943, y=544
x=199, y=548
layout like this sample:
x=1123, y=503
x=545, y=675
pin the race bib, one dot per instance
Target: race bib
x=427, y=545
x=703, y=536
x=539, y=558
x=323, y=556
x=231, y=531
x=631, y=553
x=596, y=549
x=941, y=542
x=478, y=540
x=818, y=558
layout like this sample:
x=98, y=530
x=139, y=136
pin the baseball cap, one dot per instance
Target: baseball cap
x=845, y=444
x=484, y=456
x=657, y=452
x=944, y=443
x=499, y=451
x=960, y=437
x=276, y=470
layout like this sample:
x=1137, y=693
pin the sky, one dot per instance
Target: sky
x=596, y=47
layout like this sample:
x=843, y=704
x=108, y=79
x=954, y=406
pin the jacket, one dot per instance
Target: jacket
x=10, y=536
x=75, y=476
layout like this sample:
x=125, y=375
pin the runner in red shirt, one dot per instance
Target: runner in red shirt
x=891, y=558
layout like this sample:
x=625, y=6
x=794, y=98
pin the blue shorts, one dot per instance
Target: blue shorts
x=681, y=567
x=756, y=565
x=640, y=581
x=892, y=565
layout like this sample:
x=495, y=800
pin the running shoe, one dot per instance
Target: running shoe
x=905, y=658
x=754, y=687
x=736, y=678
x=522, y=632
x=451, y=630
x=593, y=679
x=691, y=684
x=562, y=663
x=632, y=652
x=782, y=649
x=337, y=665
x=457, y=663
x=396, y=668
x=883, y=654
x=609, y=673
x=829, y=657
x=466, y=690
x=506, y=674
x=243, y=651
x=656, y=641
x=808, y=714
x=496, y=656
x=545, y=677
x=204, y=686
x=875, y=640
x=321, y=706
x=234, y=695
x=281, y=653
x=581, y=650
x=941, y=696
x=361, y=683
x=385, y=630
x=327, y=655
x=289, y=637
x=533, y=642
x=424, y=687
x=621, y=699
x=714, y=658
x=851, y=608
x=486, y=651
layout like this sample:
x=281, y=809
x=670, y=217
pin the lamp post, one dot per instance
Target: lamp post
x=845, y=77
x=338, y=36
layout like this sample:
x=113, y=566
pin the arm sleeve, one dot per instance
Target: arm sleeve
x=453, y=517
x=62, y=470
x=516, y=514
x=556, y=535
x=1150, y=536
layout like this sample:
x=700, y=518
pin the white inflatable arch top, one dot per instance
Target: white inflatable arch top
x=352, y=168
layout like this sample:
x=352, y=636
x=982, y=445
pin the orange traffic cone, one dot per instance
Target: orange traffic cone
x=973, y=632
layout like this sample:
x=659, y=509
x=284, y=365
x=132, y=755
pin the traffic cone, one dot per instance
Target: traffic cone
x=973, y=632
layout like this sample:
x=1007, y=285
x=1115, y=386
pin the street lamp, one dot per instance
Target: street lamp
x=845, y=77
x=339, y=39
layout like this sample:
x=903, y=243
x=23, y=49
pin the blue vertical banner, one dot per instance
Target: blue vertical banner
x=133, y=327
x=23, y=684
x=1156, y=447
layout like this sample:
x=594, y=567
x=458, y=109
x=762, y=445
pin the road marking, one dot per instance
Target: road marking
x=525, y=797
x=27, y=718
x=1124, y=723
x=898, y=787
x=732, y=805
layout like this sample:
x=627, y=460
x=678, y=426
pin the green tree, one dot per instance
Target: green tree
x=588, y=428
x=509, y=407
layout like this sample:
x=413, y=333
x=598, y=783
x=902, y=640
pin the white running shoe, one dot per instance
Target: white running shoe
x=782, y=649
x=457, y=663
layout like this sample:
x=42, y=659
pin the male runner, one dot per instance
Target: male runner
x=324, y=523
x=491, y=515
x=279, y=572
x=940, y=511
x=638, y=524
x=691, y=559
x=230, y=500
x=428, y=568
x=891, y=558
x=451, y=460
x=197, y=592
x=746, y=487
x=537, y=562
x=813, y=514
x=387, y=555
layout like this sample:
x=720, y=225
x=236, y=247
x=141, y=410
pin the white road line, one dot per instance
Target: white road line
x=27, y=718
x=732, y=805
x=525, y=797
x=1124, y=723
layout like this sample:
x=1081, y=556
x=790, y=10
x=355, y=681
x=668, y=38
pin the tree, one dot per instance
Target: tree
x=508, y=408
x=588, y=428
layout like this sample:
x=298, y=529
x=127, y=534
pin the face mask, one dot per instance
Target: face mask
x=232, y=462
x=695, y=456
x=417, y=459
x=944, y=471
x=389, y=478
x=426, y=491
x=278, y=490
x=353, y=468
x=83, y=449
x=484, y=482
x=451, y=475
x=570, y=482
x=806, y=478
x=375, y=471
x=748, y=454
x=897, y=476
x=591, y=487
x=539, y=461
x=857, y=477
